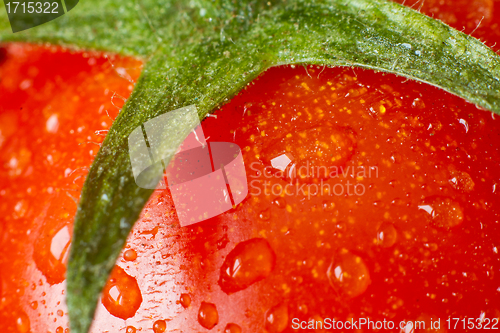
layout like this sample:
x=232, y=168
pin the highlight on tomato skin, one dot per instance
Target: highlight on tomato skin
x=420, y=243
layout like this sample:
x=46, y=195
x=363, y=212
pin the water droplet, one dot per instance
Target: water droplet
x=418, y=103
x=121, y=296
x=130, y=255
x=443, y=212
x=34, y=305
x=431, y=246
x=132, y=329
x=280, y=202
x=249, y=262
x=185, y=300
x=277, y=318
x=348, y=274
x=265, y=215
x=222, y=242
x=60, y=313
x=232, y=328
x=59, y=330
x=386, y=235
x=208, y=316
x=461, y=181
x=51, y=252
x=23, y=323
x=396, y=158
x=328, y=206
x=341, y=226
x=310, y=155
x=159, y=326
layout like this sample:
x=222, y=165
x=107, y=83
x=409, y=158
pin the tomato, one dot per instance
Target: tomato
x=56, y=108
x=387, y=208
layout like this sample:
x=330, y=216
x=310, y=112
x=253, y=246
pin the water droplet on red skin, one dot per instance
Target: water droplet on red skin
x=348, y=274
x=131, y=329
x=277, y=318
x=208, y=316
x=232, y=328
x=121, y=295
x=23, y=323
x=130, y=255
x=51, y=252
x=159, y=326
x=185, y=300
x=442, y=212
x=280, y=202
x=333, y=147
x=265, y=215
x=386, y=235
x=249, y=262
x=461, y=181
